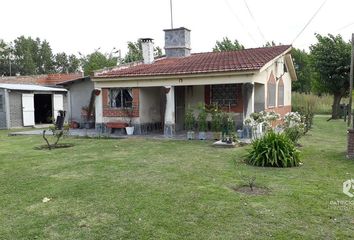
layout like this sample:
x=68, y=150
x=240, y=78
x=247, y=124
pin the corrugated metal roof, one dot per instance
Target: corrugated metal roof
x=28, y=87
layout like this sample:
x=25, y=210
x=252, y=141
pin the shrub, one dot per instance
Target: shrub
x=294, y=133
x=202, y=118
x=215, y=119
x=294, y=128
x=189, y=119
x=273, y=150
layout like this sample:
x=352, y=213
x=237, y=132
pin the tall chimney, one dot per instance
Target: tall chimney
x=177, y=42
x=148, y=50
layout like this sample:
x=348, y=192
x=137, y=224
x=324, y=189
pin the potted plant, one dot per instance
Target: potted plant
x=216, y=122
x=189, y=120
x=129, y=115
x=202, y=122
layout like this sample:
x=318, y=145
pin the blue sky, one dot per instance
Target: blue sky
x=82, y=26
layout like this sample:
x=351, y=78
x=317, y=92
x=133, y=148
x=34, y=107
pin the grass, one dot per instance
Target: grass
x=151, y=189
x=321, y=105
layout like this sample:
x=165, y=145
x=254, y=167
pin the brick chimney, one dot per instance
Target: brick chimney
x=148, y=50
x=177, y=42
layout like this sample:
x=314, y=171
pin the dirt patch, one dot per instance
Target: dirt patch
x=254, y=191
x=59, y=145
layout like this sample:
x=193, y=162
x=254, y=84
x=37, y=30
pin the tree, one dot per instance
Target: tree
x=97, y=60
x=331, y=58
x=65, y=63
x=5, y=57
x=74, y=63
x=135, y=52
x=26, y=54
x=227, y=45
x=45, y=61
x=61, y=63
x=304, y=71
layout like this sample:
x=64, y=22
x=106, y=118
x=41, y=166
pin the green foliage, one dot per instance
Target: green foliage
x=202, y=118
x=135, y=52
x=273, y=150
x=66, y=64
x=294, y=133
x=331, y=57
x=215, y=119
x=189, y=119
x=305, y=73
x=96, y=61
x=227, y=45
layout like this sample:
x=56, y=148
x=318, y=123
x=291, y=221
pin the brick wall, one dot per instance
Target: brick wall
x=282, y=110
x=115, y=112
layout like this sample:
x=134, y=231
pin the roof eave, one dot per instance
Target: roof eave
x=271, y=62
x=173, y=76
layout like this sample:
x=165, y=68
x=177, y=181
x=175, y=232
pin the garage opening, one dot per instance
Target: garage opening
x=43, y=108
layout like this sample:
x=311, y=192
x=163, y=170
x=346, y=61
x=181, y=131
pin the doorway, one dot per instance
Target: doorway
x=180, y=107
x=43, y=105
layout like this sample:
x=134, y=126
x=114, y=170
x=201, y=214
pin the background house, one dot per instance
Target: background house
x=158, y=91
x=32, y=100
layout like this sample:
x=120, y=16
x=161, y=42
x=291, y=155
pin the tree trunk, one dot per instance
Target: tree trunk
x=336, y=106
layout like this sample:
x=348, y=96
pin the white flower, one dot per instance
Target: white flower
x=45, y=200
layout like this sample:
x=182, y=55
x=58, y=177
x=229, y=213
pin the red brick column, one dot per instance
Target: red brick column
x=350, y=148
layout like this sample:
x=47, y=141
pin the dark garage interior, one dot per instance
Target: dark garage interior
x=43, y=106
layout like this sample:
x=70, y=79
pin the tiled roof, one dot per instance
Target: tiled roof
x=243, y=60
x=44, y=80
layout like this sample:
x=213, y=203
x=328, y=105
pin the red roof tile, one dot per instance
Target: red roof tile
x=45, y=79
x=242, y=60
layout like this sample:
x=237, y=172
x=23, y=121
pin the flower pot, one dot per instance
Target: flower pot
x=216, y=135
x=202, y=135
x=129, y=130
x=190, y=135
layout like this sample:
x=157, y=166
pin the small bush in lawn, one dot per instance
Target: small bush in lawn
x=273, y=150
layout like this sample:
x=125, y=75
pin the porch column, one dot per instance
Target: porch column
x=169, y=126
x=249, y=97
x=99, y=112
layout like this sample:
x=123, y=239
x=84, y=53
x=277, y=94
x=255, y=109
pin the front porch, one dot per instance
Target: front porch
x=161, y=109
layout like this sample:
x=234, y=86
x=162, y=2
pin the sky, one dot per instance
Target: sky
x=74, y=26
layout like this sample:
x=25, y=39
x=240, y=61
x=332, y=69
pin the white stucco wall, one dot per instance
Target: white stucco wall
x=150, y=104
x=277, y=70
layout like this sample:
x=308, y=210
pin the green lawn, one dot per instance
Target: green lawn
x=150, y=189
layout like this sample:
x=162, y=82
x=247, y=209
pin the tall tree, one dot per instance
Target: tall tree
x=304, y=71
x=6, y=55
x=26, y=53
x=331, y=58
x=135, y=52
x=227, y=45
x=97, y=60
x=74, y=63
x=45, y=61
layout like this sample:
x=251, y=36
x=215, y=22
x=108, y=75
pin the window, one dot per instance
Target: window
x=271, y=91
x=224, y=95
x=281, y=93
x=121, y=98
x=1, y=104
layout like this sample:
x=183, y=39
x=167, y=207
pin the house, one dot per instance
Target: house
x=32, y=100
x=158, y=91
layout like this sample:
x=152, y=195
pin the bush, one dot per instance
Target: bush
x=273, y=150
x=294, y=133
x=202, y=118
x=189, y=119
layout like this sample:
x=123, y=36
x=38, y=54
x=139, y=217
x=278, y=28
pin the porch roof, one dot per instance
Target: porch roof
x=247, y=60
x=28, y=87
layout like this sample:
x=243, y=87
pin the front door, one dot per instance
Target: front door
x=28, y=109
x=180, y=107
